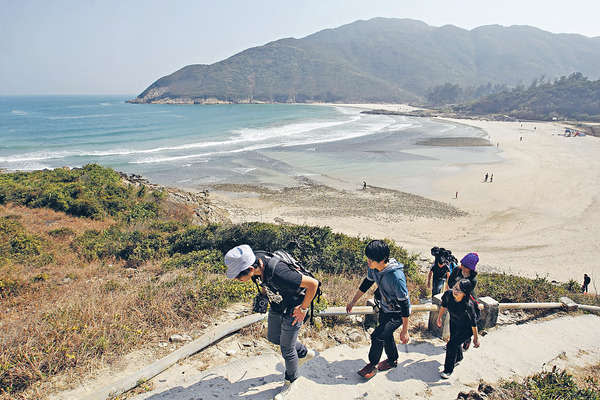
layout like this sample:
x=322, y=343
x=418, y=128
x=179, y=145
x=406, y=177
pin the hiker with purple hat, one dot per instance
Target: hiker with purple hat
x=289, y=291
x=466, y=270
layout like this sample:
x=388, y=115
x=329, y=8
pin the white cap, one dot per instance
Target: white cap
x=239, y=259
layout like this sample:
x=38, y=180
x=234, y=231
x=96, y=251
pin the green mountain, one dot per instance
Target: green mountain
x=380, y=59
x=573, y=97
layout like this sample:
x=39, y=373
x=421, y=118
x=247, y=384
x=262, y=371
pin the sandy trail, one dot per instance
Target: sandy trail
x=506, y=351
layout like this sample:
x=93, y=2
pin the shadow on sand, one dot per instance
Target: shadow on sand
x=319, y=370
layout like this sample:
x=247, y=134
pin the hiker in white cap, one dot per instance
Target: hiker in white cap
x=290, y=292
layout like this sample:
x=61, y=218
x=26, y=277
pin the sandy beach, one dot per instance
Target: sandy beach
x=539, y=217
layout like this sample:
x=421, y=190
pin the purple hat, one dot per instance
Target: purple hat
x=470, y=261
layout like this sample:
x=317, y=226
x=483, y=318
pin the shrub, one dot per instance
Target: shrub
x=317, y=248
x=17, y=245
x=549, y=385
x=92, y=192
x=61, y=232
x=201, y=260
x=133, y=247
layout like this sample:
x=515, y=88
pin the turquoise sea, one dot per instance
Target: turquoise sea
x=192, y=146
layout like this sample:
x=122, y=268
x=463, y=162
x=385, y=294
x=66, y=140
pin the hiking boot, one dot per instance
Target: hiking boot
x=445, y=375
x=466, y=345
x=387, y=364
x=368, y=371
x=285, y=391
x=310, y=354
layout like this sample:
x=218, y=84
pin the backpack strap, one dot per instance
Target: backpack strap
x=296, y=266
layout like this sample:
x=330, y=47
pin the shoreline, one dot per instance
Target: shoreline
x=538, y=218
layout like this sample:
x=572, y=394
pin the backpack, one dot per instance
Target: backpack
x=476, y=309
x=292, y=263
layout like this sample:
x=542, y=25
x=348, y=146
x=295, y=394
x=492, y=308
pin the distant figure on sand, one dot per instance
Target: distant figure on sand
x=491, y=178
x=463, y=323
x=486, y=177
x=586, y=282
x=521, y=139
x=394, y=310
x=364, y=185
x=456, y=195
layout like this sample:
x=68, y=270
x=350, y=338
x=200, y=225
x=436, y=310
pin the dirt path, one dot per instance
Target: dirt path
x=506, y=351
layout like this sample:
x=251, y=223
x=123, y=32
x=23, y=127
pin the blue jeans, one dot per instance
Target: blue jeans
x=281, y=332
x=437, y=286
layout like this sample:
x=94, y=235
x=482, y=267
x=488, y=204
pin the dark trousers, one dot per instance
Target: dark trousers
x=438, y=285
x=383, y=337
x=454, y=351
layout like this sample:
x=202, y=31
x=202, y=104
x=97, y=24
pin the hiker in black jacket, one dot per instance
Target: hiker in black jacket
x=463, y=323
x=289, y=293
x=466, y=270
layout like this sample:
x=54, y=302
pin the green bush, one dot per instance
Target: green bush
x=92, y=192
x=135, y=247
x=515, y=289
x=318, y=248
x=201, y=260
x=166, y=226
x=61, y=232
x=17, y=245
x=551, y=385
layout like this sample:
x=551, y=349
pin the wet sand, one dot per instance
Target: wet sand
x=539, y=217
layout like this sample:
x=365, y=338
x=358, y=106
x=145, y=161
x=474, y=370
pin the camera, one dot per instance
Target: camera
x=260, y=303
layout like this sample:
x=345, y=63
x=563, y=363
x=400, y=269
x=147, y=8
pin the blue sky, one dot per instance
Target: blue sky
x=121, y=47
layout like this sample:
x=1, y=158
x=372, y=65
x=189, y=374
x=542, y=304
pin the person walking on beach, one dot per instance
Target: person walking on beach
x=485, y=177
x=364, y=185
x=289, y=294
x=392, y=294
x=491, y=178
x=586, y=282
x=463, y=323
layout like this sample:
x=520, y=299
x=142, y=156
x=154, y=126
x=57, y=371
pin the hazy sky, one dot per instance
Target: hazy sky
x=105, y=46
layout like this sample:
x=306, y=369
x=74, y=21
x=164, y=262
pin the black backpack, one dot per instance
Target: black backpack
x=292, y=263
x=476, y=309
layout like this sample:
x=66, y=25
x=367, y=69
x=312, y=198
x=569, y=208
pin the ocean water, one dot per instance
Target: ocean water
x=191, y=146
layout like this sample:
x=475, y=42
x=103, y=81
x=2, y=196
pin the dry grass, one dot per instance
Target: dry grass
x=70, y=315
